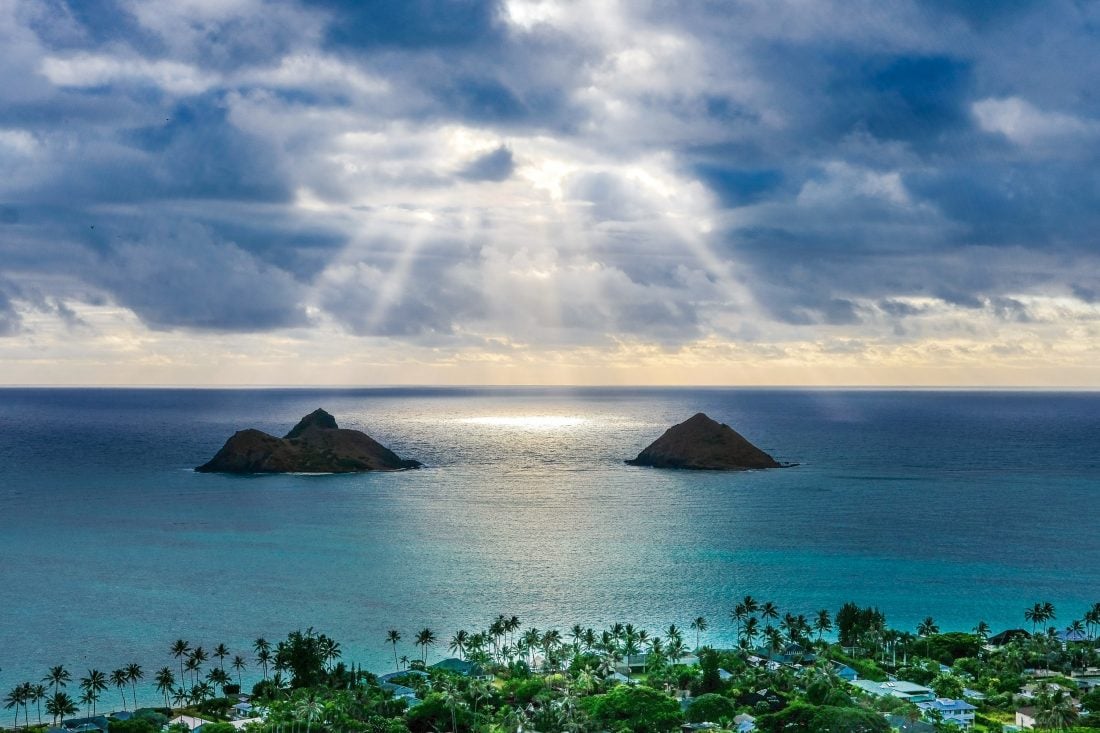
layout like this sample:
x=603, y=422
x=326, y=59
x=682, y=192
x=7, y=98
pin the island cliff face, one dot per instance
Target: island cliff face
x=703, y=444
x=315, y=445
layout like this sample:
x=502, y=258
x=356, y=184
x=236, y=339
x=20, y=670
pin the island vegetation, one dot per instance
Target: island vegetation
x=846, y=671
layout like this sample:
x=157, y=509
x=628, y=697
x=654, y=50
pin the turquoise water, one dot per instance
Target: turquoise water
x=959, y=505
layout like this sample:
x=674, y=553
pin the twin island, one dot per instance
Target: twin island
x=318, y=445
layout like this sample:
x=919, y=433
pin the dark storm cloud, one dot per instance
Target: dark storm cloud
x=497, y=165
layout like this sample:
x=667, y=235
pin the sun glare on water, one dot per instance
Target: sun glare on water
x=528, y=422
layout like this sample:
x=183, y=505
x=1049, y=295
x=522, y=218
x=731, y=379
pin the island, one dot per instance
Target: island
x=315, y=445
x=703, y=444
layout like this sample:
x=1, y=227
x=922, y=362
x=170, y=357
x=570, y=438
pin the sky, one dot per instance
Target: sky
x=787, y=192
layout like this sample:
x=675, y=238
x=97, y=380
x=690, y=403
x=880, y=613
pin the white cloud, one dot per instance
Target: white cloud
x=1025, y=124
x=93, y=70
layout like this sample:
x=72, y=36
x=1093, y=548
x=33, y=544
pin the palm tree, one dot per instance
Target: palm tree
x=927, y=628
x=198, y=657
x=981, y=631
x=402, y=663
x=60, y=705
x=16, y=696
x=221, y=651
x=37, y=695
x=750, y=604
x=459, y=641
x=822, y=623
x=424, y=639
x=88, y=699
x=134, y=674
x=218, y=677
x=1034, y=615
x=238, y=664
x=769, y=612
x=1056, y=711
x=179, y=697
x=392, y=637
x=699, y=625
x=58, y=677
x=750, y=631
x=180, y=649
x=310, y=707
x=165, y=679
x=450, y=699
x=120, y=680
x=739, y=614
x=192, y=666
x=93, y=684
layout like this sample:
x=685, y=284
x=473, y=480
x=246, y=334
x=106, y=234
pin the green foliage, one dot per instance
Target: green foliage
x=822, y=692
x=637, y=709
x=822, y=719
x=134, y=725
x=304, y=654
x=853, y=622
x=157, y=718
x=218, y=728
x=948, y=685
x=946, y=648
x=434, y=715
x=711, y=708
x=523, y=691
x=866, y=668
x=709, y=680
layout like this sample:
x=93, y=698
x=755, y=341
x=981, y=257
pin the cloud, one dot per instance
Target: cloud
x=454, y=174
x=1024, y=124
x=493, y=166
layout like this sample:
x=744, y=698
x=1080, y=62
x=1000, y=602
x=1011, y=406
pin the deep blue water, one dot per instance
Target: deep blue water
x=959, y=505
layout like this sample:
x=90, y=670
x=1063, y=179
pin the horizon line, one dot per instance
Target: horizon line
x=746, y=387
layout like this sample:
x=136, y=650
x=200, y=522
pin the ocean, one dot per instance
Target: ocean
x=963, y=506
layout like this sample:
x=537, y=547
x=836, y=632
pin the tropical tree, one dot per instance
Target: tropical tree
x=459, y=642
x=822, y=623
x=14, y=699
x=926, y=629
x=699, y=625
x=59, y=706
x=239, y=664
x=165, y=679
x=180, y=649
x=119, y=679
x=134, y=674
x=38, y=693
x=769, y=612
x=451, y=700
x=310, y=707
x=424, y=639
x=739, y=614
x=58, y=677
x=218, y=677
x=221, y=651
x=93, y=685
x=392, y=637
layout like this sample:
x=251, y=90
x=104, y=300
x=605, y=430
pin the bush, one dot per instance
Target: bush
x=822, y=719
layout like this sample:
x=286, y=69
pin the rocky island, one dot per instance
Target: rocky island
x=315, y=445
x=704, y=444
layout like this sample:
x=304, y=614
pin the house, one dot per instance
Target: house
x=909, y=691
x=958, y=712
x=744, y=723
x=844, y=672
x=242, y=710
x=401, y=692
x=724, y=675
x=190, y=721
x=462, y=667
x=1027, y=717
x=904, y=725
x=1006, y=636
x=94, y=724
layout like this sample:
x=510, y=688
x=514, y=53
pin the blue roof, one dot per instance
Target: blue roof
x=945, y=705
